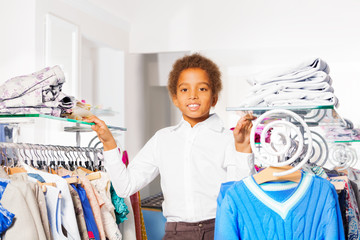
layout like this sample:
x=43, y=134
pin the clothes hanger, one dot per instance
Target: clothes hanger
x=62, y=161
x=342, y=157
x=281, y=170
x=86, y=166
x=68, y=163
x=51, y=160
x=38, y=161
x=89, y=164
x=267, y=175
x=93, y=176
x=16, y=169
x=46, y=157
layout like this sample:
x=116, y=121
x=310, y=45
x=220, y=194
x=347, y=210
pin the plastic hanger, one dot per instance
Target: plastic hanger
x=267, y=175
x=281, y=169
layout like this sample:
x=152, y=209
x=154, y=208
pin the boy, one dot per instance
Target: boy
x=193, y=158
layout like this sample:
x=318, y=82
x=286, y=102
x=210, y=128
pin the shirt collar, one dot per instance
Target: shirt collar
x=213, y=122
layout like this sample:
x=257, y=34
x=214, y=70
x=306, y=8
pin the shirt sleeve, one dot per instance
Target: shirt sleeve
x=140, y=171
x=238, y=165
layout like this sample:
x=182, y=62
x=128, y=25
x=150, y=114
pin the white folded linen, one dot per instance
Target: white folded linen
x=295, y=72
x=319, y=82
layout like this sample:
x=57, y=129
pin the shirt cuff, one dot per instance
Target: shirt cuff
x=249, y=158
x=112, y=156
x=244, y=155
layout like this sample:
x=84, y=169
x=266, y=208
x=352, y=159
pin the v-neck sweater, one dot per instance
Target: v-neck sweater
x=311, y=211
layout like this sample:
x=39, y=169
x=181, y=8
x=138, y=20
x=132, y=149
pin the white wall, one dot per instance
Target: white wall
x=17, y=44
x=233, y=24
x=23, y=46
x=249, y=36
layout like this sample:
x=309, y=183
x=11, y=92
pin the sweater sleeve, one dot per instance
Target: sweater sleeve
x=226, y=221
x=334, y=229
x=140, y=171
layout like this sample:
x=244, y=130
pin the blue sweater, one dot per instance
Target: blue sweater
x=309, y=210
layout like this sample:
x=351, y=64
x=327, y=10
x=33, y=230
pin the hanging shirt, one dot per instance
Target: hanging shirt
x=93, y=231
x=121, y=209
x=192, y=162
x=6, y=217
x=23, y=226
x=68, y=218
x=53, y=205
x=309, y=211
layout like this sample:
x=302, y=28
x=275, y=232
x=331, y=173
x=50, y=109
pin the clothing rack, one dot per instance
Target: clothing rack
x=42, y=155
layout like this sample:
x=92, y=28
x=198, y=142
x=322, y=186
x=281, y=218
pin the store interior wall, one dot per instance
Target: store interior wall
x=243, y=37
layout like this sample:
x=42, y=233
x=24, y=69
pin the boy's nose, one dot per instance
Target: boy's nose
x=193, y=95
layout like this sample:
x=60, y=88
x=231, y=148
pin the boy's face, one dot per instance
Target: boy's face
x=193, y=96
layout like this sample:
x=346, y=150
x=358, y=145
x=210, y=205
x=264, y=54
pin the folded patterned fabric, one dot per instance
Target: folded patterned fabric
x=36, y=93
x=37, y=89
x=295, y=72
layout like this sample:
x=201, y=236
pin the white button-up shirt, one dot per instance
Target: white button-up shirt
x=192, y=162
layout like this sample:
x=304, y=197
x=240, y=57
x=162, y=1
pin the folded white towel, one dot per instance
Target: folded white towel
x=294, y=72
x=277, y=92
x=317, y=82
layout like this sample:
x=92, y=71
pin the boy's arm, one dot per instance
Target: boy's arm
x=103, y=132
x=140, y=171
x=239, y=160
x=242, y=134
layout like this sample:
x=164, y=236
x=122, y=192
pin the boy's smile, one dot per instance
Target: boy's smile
x=194, y=96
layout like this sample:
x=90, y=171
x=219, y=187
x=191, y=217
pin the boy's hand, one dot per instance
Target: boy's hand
x=242, y=133
x=103, y=132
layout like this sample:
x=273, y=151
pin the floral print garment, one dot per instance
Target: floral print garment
x=39, y=92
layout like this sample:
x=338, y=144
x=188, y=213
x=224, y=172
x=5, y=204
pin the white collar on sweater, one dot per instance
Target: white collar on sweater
x=281, y=208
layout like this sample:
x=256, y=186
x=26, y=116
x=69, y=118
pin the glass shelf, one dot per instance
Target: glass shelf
x=313, y=115
x=80, y=126
x=323, y=119
x=261, y=110
x=348, y=141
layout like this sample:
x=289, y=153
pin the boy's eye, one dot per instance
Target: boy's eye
x=203, y=89
x=183, y=90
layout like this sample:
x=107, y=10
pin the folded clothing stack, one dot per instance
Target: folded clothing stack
x=307, y=84
x=39, y=92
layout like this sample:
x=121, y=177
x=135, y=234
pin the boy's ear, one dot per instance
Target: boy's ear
x=215, y=99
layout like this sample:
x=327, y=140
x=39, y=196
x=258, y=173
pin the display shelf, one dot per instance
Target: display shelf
x=348, y=141
x=314, y=116
x=104, y=112
x=261, y=110
x=75, y=125
x=324, y=118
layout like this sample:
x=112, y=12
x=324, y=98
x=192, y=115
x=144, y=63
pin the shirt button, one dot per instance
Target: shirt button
x=200, y=225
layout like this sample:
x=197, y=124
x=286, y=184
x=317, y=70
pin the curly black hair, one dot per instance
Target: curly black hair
x=195, y=61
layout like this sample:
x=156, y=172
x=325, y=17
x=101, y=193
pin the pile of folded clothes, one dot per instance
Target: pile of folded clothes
x=36, y=93
x=306, y=84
